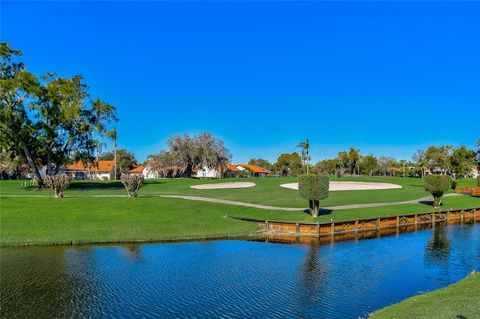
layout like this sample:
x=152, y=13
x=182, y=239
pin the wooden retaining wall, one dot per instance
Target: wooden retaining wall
x=409, y=222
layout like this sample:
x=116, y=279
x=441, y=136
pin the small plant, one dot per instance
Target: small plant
x=437, y=185
x=314, y=188
x=453, y=184
x=58, y=183
x=132, y=183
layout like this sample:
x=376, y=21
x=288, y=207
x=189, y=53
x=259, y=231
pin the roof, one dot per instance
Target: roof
x=137, y=170
x=101, y=166
x=232, y=168
x=254, y=168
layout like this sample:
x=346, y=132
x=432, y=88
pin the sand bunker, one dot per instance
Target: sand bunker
x=224, y=185
x=351, y=186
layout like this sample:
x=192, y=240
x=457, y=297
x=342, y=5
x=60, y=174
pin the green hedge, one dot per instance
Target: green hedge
x=437, y=185
x=313, y=188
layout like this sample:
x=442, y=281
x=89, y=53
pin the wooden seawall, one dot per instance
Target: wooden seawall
x=408, y=222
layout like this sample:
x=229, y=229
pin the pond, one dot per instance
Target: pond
x=234, y=278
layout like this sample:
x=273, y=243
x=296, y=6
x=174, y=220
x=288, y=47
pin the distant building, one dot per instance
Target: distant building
x=233, y=170
x=148, y=172
x=207, y=173
x=253, y=170
x=101, y=170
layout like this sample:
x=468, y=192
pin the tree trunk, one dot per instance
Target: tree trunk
x=115, y=158
x=314, y=205
x=49, y=165
x=437, y=199
x=34, y=168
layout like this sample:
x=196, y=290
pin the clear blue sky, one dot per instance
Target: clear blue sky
x=385, y=77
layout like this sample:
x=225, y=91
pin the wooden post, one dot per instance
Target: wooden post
x=297, y=229
x=317, y=230
x=356, y=226
x=415, y=221
x=446, y=217
x=397, y=221
x=332, y=228
x=462, y=213
x=433, y=219
x=378, y=223
x=474, y=215
x=266, y=225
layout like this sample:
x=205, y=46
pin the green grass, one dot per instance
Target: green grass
x=460, y=300
x=79, y=220
x=46, y=220
x=267, y=190
x=82, y=218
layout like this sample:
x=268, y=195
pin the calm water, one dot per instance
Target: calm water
x=233, y=278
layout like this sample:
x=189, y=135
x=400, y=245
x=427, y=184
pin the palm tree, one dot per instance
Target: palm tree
x=113, y=136
x=305, y=146
x=99, y=147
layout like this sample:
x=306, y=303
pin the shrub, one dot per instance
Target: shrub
x=453, y=184
x=313, y=188
x=132, y=183
x=437, y=185
x=478, y=181
x=58, y=183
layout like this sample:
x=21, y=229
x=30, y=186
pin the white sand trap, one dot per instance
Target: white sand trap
x=351, y=186
x=224, y=185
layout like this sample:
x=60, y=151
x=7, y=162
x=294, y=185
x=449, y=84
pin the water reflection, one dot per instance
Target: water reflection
x=235, y=279
x=438, y=247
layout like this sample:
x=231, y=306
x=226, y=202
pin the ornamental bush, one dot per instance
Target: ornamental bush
x=313, y=188
x=58, y=183
x=132, y=183
x=437, y=185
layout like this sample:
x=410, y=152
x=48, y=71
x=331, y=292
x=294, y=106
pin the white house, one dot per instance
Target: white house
x=148, y=172
x=207, y=173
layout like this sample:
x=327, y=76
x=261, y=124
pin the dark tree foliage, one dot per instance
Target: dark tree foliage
x=46, y=119
x=313, y=188
x=437, y=185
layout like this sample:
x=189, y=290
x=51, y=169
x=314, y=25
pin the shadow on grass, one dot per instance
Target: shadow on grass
x=96, y=185
x=426, y=202
x=321, y=211
x=104, y=185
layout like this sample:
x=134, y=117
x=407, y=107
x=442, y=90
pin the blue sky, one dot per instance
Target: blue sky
x=385, y=77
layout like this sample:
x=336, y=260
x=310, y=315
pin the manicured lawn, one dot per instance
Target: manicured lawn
x=358, y=213
x=46, y=220
x=267, y=190
x=460, y=300
x=77, y=220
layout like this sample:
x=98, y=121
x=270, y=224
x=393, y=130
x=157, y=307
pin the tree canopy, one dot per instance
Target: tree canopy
x=288, y=164
x=260, y=162
x=46, y=119
x=186, y=153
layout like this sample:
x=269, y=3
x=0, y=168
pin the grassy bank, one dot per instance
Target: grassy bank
x=46, y=220
x=80, y=220
x=460, y=300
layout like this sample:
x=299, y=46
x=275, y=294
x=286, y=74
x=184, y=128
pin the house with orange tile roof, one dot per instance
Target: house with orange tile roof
x=148, y=172
x=101, y=170
x=233, y=170
x=253, y=170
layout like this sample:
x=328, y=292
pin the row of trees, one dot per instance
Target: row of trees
x=46, y=120
x=453, y=161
